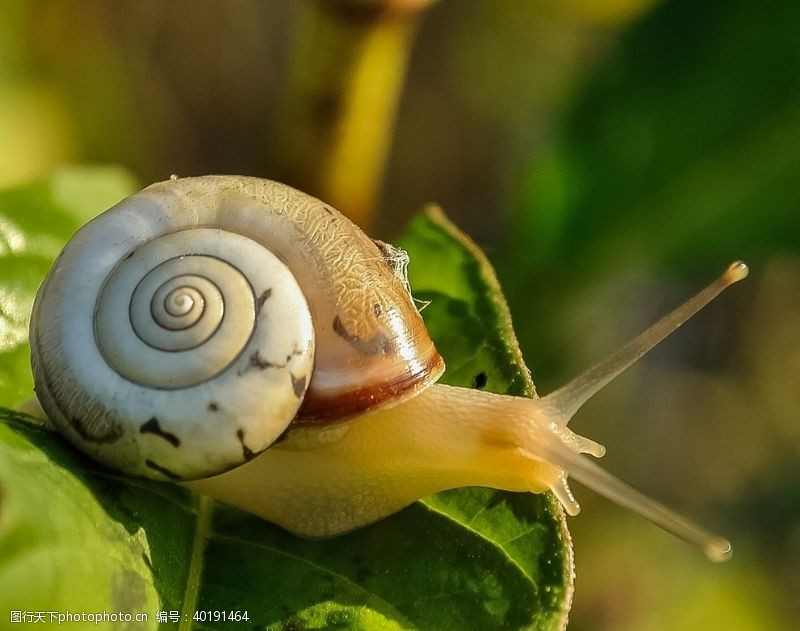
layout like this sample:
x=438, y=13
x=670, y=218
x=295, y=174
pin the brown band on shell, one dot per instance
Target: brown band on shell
x=322, y=410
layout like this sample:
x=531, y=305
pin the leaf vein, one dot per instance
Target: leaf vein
x=194, y=574
x=479, y=534
x=390, y=609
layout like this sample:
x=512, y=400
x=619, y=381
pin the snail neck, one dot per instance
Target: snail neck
x=318, y=482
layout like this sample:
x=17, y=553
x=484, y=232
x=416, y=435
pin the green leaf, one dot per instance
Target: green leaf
x=75, y=535
x=681, y=149
x=464, y=308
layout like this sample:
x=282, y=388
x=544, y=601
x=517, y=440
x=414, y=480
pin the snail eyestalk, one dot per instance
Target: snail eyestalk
x=561, y=405
x=568, y=399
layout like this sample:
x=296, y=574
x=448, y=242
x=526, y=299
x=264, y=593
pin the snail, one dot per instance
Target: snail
x=247, y=340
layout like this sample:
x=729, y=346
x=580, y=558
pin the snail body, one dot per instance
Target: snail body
x=247, y=340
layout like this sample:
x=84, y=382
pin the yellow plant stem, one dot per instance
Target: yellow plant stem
x=334, y=128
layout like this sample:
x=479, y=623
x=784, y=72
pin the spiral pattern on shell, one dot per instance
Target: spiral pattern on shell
x=179, y=357
x=189, y=316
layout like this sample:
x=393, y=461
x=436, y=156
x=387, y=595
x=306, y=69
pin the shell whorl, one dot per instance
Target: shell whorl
x=177, y=355
x=172, y=322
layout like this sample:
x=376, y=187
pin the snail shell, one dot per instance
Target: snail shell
x=182, y=331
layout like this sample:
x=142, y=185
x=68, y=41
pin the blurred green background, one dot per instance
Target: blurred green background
x=611, y=156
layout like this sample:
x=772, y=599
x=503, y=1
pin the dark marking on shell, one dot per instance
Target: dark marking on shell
x=377, y=310
x=152, y=427
x=162, y=470
x=299, y=385
x=342, y=332
x=329, y=210
x=263, y=298
x=375, y=345
x=255, y=361
x=479, y=382
x=213, y=407
x=129, y=255
x=246, y=451
x=100, y=433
